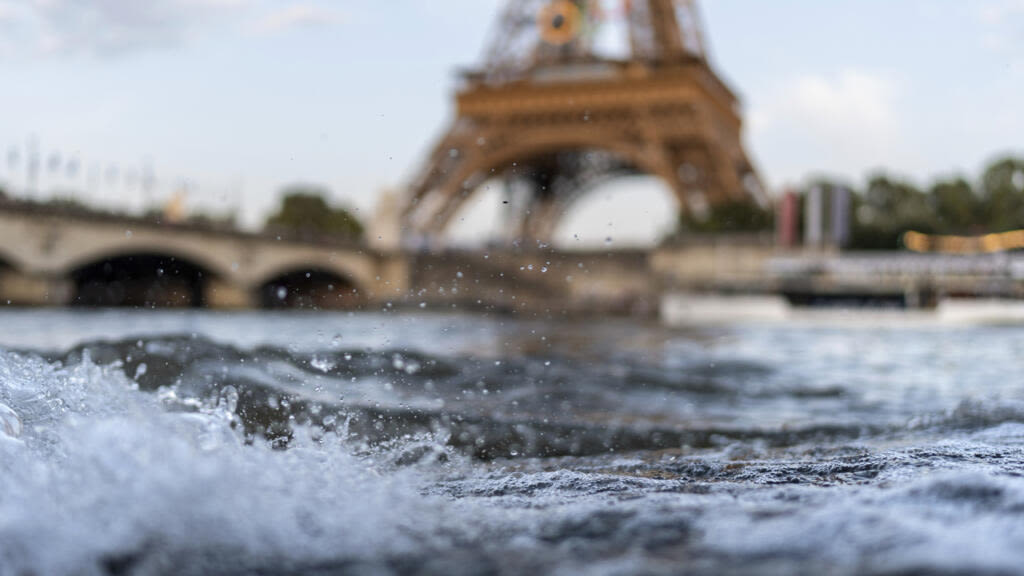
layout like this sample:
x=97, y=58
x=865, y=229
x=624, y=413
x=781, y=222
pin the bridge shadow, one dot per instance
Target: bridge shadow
x=5, y=268
x=140, y=281
x=311, y=289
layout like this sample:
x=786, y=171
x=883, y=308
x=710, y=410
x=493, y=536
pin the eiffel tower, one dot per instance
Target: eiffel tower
x=551, y=117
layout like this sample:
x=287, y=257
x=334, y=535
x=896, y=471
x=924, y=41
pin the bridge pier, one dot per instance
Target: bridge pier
x=392, y=279
x=224, y=295
x=26, y=289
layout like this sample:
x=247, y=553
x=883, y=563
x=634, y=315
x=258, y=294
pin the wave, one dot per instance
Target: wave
x=180, y=455
x=514, y=407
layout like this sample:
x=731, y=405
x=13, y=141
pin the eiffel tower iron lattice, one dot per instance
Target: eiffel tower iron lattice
x=552, y=117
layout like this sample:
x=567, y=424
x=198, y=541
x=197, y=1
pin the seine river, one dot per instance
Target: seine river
x=197, y=442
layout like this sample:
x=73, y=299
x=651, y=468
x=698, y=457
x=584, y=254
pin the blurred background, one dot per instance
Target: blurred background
x=322, y=122
x=511, y=286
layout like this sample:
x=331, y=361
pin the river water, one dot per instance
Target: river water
x=197, y=442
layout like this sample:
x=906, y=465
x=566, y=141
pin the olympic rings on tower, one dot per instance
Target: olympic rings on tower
x=560, y=22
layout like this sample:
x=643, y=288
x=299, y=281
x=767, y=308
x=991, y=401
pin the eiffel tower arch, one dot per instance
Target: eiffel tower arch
x=552, y=118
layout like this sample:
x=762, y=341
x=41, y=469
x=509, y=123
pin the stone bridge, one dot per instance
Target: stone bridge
x=59, y=258
x=54, y=258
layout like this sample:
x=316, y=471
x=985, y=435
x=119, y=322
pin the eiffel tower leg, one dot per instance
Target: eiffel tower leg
x=516, y=207
x=545, y=215
x=678, y=170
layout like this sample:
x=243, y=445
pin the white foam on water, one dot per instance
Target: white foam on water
x=10, y=422
x=104, y=478
x=102, y=472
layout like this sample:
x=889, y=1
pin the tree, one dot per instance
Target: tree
x=734, y=216
x=305, y=213
x=1002, y=190
x=886, y=210
x=226, y=221
x=957, y=209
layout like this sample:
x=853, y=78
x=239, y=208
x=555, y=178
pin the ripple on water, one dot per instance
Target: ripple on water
x=179, y=454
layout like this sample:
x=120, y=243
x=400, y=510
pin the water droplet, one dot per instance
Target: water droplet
x=324, y=365
x=228, y=400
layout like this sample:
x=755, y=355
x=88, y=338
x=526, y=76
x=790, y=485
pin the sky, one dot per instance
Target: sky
x=230, y=100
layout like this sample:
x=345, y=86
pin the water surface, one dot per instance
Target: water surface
x=195, y=442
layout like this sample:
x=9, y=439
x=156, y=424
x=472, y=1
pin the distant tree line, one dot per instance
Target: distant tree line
x=886, y=207
x=304, y=213
x=728, y=217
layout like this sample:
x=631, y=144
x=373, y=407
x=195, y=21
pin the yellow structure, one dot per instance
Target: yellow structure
x=552, y=118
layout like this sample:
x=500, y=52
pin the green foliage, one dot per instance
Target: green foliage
x=217, y=221
x=956, y=207
x=888, y=207
x=1002, y=189
x=886, y=210
x=732, y=216
x=305, y=213
x=69, y=202
x=893, y=203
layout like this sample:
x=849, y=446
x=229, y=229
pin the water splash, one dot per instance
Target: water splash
x=558, y=456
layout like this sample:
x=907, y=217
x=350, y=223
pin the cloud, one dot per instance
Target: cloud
x=848, y=123
x=8, y=13
x=997, y=11
x=111, y=27
x=294, y=16
x=1003, y=25
x=117, y=27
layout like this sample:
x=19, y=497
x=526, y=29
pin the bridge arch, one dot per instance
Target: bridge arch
x=5, y=268
x=73, y=256
x=144, y=279
x=10, y=259
x=307, y=287
x=357, y=268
